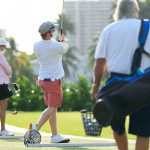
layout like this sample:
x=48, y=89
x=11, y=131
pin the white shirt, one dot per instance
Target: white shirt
x=49, y=54
x=118, y=43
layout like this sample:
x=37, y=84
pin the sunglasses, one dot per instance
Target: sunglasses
x=3, y=46
x=52, y=28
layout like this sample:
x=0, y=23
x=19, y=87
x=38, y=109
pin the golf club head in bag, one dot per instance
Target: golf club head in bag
x=16, y=86
x=32, y=137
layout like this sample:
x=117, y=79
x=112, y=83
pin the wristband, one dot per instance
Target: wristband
x=61, y=41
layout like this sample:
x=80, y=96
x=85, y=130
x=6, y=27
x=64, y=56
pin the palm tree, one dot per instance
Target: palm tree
x=68, y=26
x=91, y=50
x=11, y=58
x=19, y=62
x=25, y=67
x=70, y=59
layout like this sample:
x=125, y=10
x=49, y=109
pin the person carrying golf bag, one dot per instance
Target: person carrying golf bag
x=5, y=74
x=116, y=49
x=49, y=53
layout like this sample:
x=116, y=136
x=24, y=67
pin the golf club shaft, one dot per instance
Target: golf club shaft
x=62, y=17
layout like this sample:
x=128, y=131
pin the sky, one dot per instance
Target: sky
x=22, y=18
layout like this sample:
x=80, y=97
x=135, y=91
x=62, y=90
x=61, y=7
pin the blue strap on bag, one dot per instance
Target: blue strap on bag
x=136, y=63
x=143, y=32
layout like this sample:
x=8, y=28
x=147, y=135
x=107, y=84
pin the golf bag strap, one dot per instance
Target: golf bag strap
x=122, y=75
x=137, y=58
x=143, y=31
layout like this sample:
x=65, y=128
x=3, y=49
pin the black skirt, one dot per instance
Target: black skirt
x=5, y=92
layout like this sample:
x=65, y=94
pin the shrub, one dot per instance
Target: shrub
x=30, y=97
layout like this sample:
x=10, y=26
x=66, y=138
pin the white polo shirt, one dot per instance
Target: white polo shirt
x=118, y=43
x=49, y=54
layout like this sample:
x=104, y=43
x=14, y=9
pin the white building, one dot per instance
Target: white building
x=89, y=17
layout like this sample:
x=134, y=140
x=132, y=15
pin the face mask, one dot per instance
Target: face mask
x=54, y=34
x=3, y=51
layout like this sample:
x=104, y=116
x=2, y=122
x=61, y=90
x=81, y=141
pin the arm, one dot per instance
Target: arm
x=5, y=65
x=61, y=39
x=65, y=44
x=99, y=69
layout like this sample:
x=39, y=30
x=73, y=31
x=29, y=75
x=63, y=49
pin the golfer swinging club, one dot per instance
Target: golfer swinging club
x=49, y=54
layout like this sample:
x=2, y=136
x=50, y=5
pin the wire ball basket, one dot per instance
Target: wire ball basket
x=91, y=126
x=32, y=137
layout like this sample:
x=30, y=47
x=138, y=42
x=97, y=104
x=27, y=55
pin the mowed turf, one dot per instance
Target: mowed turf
x=69, y=123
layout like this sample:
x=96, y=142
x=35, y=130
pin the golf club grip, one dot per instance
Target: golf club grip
x=61, y=31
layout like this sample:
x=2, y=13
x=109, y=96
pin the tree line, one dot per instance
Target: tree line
x=76, y=96
x=29, y=97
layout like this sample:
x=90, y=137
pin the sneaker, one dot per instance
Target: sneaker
x=59, y=139
x=33, y=126
x=6, y=133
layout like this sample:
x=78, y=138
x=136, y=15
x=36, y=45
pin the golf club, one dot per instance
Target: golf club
x=62, y=17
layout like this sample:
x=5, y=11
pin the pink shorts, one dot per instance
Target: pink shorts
x=53, y=94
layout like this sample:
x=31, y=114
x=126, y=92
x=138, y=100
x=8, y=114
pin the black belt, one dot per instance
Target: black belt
x=112, y=74
x=47, y=79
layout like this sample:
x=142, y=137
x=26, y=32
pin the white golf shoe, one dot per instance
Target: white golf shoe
x=59, y=139
x=6, y=133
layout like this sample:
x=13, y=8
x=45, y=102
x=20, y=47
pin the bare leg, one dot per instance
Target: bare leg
x=45, y=116
x=53, y=123
x=3, y=107
x=142, y=143
x=121, y=141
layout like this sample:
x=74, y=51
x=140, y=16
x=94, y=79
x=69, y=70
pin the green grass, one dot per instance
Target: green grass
x=69, y=123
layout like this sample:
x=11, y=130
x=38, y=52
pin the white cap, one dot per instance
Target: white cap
x=4, y=42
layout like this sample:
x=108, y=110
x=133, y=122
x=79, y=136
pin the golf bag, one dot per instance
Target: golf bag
x=121, y=96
